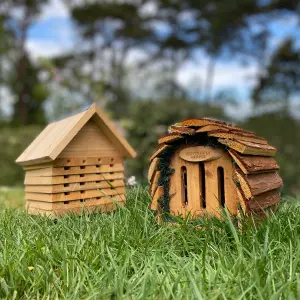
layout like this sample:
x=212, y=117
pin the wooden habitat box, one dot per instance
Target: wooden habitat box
x=203, y=165
x=76, y=163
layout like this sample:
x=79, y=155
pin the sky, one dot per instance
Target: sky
x=53, y=33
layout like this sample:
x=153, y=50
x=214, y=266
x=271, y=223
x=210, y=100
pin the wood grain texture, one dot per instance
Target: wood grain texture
x=254, y=164
x=154, y=183
x=182, y=130
x=56, y=136
x=259, y=202
x=89, y=141
x=72, y=187
x=158, y=193
x=74, y=195
x=161, y=149
x=61, y=171
x=213, y=201
x=76, y=210
x=153, y=167
x=74, y=203
x=200, y=122
x=240, y=136
x=169, y=138
x=31, y=180
x=200, y=153
x=50, y=139
x=254, y=185
x=214, y=127
x=249, y=148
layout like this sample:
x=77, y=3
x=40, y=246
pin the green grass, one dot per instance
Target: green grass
x=125, y=255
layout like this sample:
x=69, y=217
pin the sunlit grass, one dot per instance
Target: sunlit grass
x=125, y=255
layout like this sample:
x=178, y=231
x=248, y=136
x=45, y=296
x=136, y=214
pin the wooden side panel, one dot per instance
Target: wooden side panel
x=72, y=187
x=61, y=171
x=90, y=141
x=31, y=180
x=74, y=195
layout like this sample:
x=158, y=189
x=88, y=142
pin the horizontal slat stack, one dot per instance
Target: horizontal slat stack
x=75, y=184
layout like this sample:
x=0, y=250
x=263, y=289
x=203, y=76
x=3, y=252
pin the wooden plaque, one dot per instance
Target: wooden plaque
x=200, y=153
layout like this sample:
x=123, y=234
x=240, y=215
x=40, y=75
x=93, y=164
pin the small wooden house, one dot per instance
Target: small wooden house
x=74, y=163
x=202, y=165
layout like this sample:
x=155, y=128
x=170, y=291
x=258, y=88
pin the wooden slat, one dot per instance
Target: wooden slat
x=74, y=195
x=200, y=122
x=254, y=164
x=76, y=210
x=213, y=203
x=183, y=130
x=254, y=185
x=159, y=193
x=74, y=203
x=259, y=202
x=169, y=138
x=60, y=171
x=194, y=205
x=31, y=180
x=213, y=127
x=193, y=189
x=152, y=168
x=161, y=149
x=240, y=136
x=72, y=187
x=154, y=183
x=78, y=161
x=249, y=148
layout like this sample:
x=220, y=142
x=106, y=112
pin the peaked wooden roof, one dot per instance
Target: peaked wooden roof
x=56, y=136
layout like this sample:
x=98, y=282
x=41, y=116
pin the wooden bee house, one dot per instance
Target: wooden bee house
x=202, y=166
x=74, y=163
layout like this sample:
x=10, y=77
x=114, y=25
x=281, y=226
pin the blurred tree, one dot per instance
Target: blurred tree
x=34, y=94
x=19, y=15
x=281, y=79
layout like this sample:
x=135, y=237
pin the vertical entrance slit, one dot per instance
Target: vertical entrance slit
x=184, y=186
x=202, y=184
x=221, y=186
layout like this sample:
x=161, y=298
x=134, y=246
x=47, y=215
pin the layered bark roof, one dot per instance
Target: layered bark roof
x=256, y=178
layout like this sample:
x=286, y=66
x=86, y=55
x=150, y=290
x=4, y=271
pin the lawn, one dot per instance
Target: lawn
x=125, y=255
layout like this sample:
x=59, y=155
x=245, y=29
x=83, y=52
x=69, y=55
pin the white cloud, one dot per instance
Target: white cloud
x=226, y=75
x=42, y=48
x=55, y=8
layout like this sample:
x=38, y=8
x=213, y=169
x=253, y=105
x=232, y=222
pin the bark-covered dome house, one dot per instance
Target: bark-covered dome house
x=202, y=165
